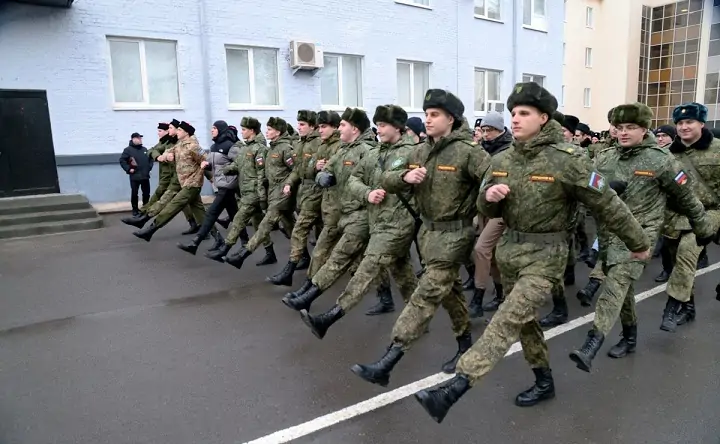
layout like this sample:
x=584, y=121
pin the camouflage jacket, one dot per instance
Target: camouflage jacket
x=167, y=169
x=188, y=156
x=546, y=180
x=249, y=170
x=597, y=147
x=278, y=164
x=330, y=206
x=392, y=227
x=304, y=172
x=341, y=165
x=446, y=197
x=649, y=173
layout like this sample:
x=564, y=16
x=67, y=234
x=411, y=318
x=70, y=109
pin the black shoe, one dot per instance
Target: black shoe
x=469, y=284
x=379, y=372
x=687, y=312
x=592, y=259
x=304, y=262
x=194, y=228
x=437, y=402
x=137, y=222
x=191, y=247
x=627, y=344
x=476, y=303
x=543, y=389
x=703, y=260
x=663, y=276
x=587, y=294
x=669, y=318
x=569, y=277
x=300, y=291
x=284, y=278
x=225, y=223
x=244, y=237
x=319, y=324
x=269, y=257
x=303, y=301
x=136, y=213
x=284, y=232
x=464, y=342
x=584, y=254
x=219, y=254
x=583, y=357
x=559, y=313
x=717, y=292
x=237, y=259
x=146, y=233
x=499, y=298
x=385, y=302
x=219, y=241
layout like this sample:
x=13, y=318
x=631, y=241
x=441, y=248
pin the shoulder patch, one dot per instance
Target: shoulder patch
x=499, y=173
x=259, y=161
x=596, y=182
x=645, y=173
x=397, y=163
x=542, y=178
x=681, y=178
x=446, y=168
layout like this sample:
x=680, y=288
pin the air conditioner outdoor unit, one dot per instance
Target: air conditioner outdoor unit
x=495, y=105
x=305, y=55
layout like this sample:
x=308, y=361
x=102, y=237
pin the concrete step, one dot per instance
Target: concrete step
x=36, y=229
x=47, y=216
x=43, y=203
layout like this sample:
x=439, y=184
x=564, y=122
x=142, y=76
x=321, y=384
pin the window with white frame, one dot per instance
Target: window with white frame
x=540, y=80
x=144, y=72
x=487, y=91
x=562, y=96
x=341, y=81
x=588, y=57
x=589, y=17
x=488, y=9
x=414, y=2
x=252, y=77
x=587, y=98
x=535, y=14
x=413, y=80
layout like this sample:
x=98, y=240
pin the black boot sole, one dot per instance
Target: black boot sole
x=618, y=355
x=553, y=323
x=187, y=249
x=427, y=402
x=360, y=372
x=382, y=311
x=580, y=362
x=668, y=327
x=546, y=397
x=144, y=237
x=305, y=316
x=288, y=303
x=278, y=282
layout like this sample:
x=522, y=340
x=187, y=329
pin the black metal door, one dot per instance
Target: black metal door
x=27, y=154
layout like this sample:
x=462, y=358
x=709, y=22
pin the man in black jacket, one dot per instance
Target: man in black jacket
x=137, y=164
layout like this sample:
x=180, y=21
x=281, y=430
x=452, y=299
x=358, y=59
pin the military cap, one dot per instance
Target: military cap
x=583, y=128
x=610, y=114
x=163, y=126
x=328, y=118
x=278, y=124
x=532, y=94
x=175, y=123
x=357, y=118
x=571, y=123
x=392, y=114
x=307, y=116
x=185, y=126
x=445, y=100
x=251, y=123
x=637, y=113
x=692, y=110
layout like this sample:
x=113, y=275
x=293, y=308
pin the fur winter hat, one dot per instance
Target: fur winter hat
x=692, y=110
x=175, y=123
x=251, y=123
x=185, y=126
x=163, y=126
x=532, y=94
x=445, y=100
x=278, y=124
x=357, y=118
x=290, y=130
x=637, y=113
x=610, y=114
x=584, y=128
x=392, y=114
x=328, y=118
x=570, y=123
x=307, y=116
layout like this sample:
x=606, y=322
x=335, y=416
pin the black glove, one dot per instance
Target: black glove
x=618, y=186
x=263, y=205
x=230, y=172
x=704, y=241
x=325, y=179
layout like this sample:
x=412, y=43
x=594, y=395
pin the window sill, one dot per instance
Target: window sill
x=480, y=113
x=143, y=107
x=339, y=108
x=532, y=28
x=488, y=19
x=250, y=107
x=410, y=3
x=413, y=110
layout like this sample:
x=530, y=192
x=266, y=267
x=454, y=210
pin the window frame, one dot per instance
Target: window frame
x=145, y=104
x=590, y=17
x=588, y=57
x=587, y=94
x=533, y=77
x=485, y=16
x=414, y=4
x=341, y=107
x=479, y=113
x=251, y=78
x=537, y=23
x=413, y=107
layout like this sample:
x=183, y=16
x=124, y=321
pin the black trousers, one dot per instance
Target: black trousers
x=224, y=200
x=144, y=185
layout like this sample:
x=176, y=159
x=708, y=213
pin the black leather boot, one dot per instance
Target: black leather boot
x=219, y=241
x=300, y=291
x=476, y=303
x=225, y=223
x=464, y=342
x=385, y=302
x=584, y=254
x=703, y=260
x=437, y=402
x=592, y=259
x=587, y=294
x=319, y=324
x=559, y=313
x=244, y=237
x=569, y=277
x=663, y=276
x=190, y=247
x=146, y=233
x=379, y=372
x=627, y=343
x=469, y=284
x=687, y=311
x=269, y=257
x=219, y=254
x=284, y=278
x=303, y=301
x=717, y=292
x=583, y=357
x=194, y=228
x=669, y=318
x=499, y=298
x=137, y=222
x=237, y=259
x=543, y=389
x=304, y=261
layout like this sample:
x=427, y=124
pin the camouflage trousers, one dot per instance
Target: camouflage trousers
x=298, y=240
x=685, y=253
x=372, y=270
x=159, y=191
x=617, y=296
x=324, y=245
x=597, y=272
x=167, y=196
x=247, y=213
x=348, y=250
x=272, y=216
x=190, y=197
x=439, y=285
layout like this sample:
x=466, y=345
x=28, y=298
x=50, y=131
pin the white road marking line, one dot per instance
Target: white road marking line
x=399, y=393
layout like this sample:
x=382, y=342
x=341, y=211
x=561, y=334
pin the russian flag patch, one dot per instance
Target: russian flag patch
x=681, y=178
x=597, y=182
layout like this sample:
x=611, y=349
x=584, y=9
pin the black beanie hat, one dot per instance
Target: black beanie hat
x=175, y=123
x=163, y=126
x=221, y=126
x=666, y=129
x=185, y=126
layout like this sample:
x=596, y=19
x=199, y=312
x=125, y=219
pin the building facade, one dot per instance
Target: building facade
x=112, y=67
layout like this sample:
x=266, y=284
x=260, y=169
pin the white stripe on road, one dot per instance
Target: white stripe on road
x=399, y=393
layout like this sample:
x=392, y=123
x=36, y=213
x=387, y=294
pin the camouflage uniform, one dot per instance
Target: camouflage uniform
x=167, y=181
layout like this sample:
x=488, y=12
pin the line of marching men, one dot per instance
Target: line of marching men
x=373, y=200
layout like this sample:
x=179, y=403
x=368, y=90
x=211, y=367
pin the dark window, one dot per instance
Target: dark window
x=696, y=5
x=692, y=45
x=715, y=31
x=688, y=86
x=712, y=80
x=714, y=48
x=695, y=18
x=681, y=21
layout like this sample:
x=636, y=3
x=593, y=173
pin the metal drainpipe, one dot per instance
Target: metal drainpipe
x=204, y=45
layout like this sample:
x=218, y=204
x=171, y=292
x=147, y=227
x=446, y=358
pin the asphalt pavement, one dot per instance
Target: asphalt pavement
x=107, y=339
